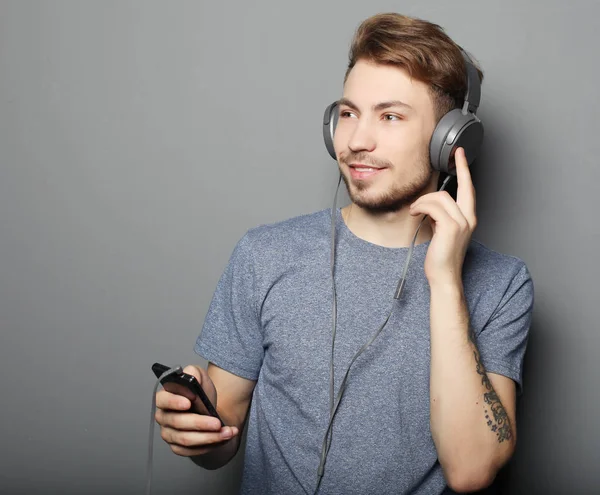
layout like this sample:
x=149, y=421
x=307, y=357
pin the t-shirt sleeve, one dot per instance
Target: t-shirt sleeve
x=231, y=336
x=503, y=340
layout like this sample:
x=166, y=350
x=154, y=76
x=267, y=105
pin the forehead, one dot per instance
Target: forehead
x=369, y=83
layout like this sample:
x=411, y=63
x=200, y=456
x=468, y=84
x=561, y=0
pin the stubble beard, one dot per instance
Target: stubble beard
x=397, y=196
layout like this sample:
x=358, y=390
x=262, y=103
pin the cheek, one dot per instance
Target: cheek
x=340, y=136
x=337, y=141
x=401, y=149
x=409, y=142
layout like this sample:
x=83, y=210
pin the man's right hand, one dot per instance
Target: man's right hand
x=190, y=434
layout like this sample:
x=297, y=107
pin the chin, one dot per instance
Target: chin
x=379, y=200
x=381, y=207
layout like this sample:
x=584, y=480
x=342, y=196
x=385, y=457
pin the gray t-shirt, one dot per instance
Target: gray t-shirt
x=270, y=320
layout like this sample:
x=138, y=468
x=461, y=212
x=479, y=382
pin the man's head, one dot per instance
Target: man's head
x=404, y=74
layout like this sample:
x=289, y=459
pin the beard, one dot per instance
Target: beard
x=397, y=196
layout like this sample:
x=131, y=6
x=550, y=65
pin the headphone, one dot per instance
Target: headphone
x=459, y=128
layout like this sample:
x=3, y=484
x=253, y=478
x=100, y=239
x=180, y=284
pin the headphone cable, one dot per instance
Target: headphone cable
x=175, y=370
x=334, y=405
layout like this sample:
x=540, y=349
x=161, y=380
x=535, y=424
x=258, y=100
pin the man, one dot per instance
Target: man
x=429, y=406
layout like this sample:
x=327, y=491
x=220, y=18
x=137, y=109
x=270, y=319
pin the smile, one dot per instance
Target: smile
x=362, y=172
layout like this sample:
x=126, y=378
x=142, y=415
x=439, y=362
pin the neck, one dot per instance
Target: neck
x=393, y=230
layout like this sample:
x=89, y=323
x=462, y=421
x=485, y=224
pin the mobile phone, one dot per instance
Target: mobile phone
x=173, y=384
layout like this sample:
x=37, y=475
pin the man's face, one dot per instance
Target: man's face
x=382, y=137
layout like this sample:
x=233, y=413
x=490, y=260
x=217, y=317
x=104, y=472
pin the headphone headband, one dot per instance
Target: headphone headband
x=473, y=95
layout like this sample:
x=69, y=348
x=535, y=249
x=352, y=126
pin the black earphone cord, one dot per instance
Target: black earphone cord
x=333, y=405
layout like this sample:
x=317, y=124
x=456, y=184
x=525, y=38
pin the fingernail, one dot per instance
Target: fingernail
x=226, y=433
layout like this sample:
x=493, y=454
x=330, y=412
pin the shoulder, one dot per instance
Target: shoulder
x=484, y=262
x=499, y=289
x=267, y=252
x=289, y=233
x=274, y=246
x=496, y=277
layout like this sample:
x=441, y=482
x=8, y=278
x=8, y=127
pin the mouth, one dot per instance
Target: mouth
x=360, y=171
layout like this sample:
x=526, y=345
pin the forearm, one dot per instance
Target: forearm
x=471, y=430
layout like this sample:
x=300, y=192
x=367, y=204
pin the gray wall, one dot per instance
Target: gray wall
x=139, y=140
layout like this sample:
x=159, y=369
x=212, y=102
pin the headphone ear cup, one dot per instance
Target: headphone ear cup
x=469, y=138
x=329, y=121
x=455, y=130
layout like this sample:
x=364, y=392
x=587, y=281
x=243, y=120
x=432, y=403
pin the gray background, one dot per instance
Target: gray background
x=139, y=141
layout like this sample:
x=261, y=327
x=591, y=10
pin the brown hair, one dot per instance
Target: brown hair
x=420, y=47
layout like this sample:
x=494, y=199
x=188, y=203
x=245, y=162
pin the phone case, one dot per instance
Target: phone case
x=190, y=383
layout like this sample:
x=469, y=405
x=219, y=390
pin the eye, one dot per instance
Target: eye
x=391, y=117
x=346, y=114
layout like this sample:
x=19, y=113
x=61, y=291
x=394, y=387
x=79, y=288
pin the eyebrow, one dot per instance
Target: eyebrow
x=378, y=107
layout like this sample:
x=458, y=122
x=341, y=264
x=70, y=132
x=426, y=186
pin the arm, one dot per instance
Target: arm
x=232, y=333
x=233, y=400
x=472, y=412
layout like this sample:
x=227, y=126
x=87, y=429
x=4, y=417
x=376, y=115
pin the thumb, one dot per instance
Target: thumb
x=204, y=380
x=195, y=371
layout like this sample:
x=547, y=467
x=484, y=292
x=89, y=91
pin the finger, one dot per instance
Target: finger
x=445, y=200
x=435, y=211
x=187, y=421
x=176, y=388
x=195, y=439
x=465, y=192
x=174, y=402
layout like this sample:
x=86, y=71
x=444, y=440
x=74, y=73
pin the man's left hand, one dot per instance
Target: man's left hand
x=453, y=223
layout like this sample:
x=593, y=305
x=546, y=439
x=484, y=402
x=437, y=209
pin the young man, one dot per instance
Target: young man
x=429, y=406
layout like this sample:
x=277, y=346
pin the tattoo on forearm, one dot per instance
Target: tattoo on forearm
x=497, y=419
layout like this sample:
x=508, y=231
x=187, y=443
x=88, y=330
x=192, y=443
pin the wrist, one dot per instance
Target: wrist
x=446, y=285
x=448, y=306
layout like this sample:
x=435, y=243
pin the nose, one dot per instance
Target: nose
x=362, y=137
